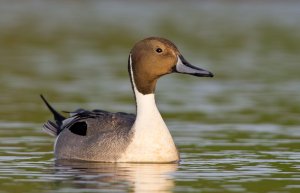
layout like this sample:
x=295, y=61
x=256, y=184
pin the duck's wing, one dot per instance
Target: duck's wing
x=80, y=121
x=86, y=123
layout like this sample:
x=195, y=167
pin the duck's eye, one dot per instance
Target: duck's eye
x=159, y=50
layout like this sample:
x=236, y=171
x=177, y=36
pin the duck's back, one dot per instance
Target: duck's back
x=94, y=136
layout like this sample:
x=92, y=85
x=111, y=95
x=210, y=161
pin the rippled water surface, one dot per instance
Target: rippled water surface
x=236, y=132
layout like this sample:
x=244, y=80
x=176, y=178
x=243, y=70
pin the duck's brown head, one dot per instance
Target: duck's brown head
x=154, y=57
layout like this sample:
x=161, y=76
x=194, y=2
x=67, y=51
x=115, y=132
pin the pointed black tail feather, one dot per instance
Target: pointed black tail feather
x=58, y=117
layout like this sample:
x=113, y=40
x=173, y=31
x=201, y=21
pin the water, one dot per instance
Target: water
x=237, y=132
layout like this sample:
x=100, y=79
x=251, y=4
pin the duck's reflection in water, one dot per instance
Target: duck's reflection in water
x=115, y=177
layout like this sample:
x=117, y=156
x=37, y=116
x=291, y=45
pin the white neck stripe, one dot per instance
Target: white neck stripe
x=132, y=77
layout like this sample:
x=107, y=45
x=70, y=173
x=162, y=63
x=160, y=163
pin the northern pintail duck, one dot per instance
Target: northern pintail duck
x=102, y=136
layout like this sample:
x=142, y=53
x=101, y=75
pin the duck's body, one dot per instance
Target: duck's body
x=104, y=137
x=120, y=137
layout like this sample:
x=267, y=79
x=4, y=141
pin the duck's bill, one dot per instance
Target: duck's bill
x=185, y=67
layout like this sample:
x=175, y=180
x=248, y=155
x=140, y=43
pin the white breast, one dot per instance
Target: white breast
x=152, y=141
